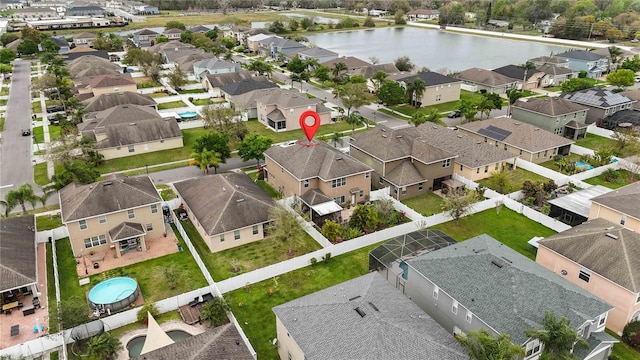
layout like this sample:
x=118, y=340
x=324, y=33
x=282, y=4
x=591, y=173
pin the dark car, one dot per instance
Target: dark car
x=454, y=114
x=54, y=108
x=26, y=132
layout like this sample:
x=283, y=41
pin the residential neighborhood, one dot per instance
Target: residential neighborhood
x=222, y=182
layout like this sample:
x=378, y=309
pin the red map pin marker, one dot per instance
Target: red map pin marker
x=309, y=130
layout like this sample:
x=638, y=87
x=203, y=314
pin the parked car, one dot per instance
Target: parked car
x=454, y=114
x=54, y=108
x=26, y=132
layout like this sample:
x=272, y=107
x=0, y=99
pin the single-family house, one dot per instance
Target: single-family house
x=633, y=95
x=179, y=56
x=303, y=166
x=244, y=38
x=109, y=100
x=619, y=206
x=88, y=66
x=602, y=103
x=554, y=114
x=213, y=82
x=228, y=210
x=281, y=110
x=365, y=310
x=623, y=119
x=553, y=60
x=107, y=84
x=318, y=53
x=353, y=63
x=253, y=42
x=476, y=79
x=613, y=64
x=144, y=9
x=582, y=60
x=81, y=51
x=527, y=141
x=175, y=45
x=526, y=79
x=126, y=130
x=437, y=88
x=18, y=256
x=237, y=32
x=34, y=13
x=277, y=47
x=368, y=71
x=423, y=14
x=84, y=39
x=246, y=102
x=556, y=75
x=241, y=87
x=213, y=66
x=199, y=29
x=121, y=213
x=88, y=10
x=420, y=159
x=466, y=287
x=145, y=38
x=173, y=34
x=62, y=44
x=602, y=258
x=573, y=208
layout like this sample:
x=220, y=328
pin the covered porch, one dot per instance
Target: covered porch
x=127, y=237
x=320, y=207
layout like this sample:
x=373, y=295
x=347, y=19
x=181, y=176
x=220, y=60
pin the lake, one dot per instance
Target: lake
x=432, y=48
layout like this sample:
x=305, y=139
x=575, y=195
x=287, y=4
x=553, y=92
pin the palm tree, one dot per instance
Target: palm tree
x=433, y=116
x=558, y=337
x=378, y=78
x=23, y=195
x=482, y=346
x=104, y=346
x=513, y=95
x=614, y=53
x=415, y=89
x=338, y=68
x=215, y=311
x=206, y=158
x=311, y=64
x=335, y=137
x=527, y=66
x=484, y=106
x=353, y=119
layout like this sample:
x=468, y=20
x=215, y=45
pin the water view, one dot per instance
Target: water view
x=432, y=48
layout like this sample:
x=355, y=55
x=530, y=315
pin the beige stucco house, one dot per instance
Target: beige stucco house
x=620, y=206
x=228, y=210
x=212, y=83
x=602, y=258
x=438, y=88
x=476, y=79
x=107, y=84
x=120, y=213
x=281, y=109
x=524, y=140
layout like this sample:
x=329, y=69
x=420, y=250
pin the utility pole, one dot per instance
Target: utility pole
x=590, y=31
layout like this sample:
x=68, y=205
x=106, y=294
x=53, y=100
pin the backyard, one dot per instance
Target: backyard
x=256, y=127
x=426, y=204
x=624, y=178
x=595, y=142
x=444, y=107
x=514, y=181
x=508, y=227
x=171, y=105
x=551, y=164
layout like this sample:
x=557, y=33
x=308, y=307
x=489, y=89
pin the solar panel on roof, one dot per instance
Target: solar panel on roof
x=495, y=132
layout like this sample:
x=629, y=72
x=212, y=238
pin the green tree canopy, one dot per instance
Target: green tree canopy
x=632, y=63
x=621, y=78
x=215, y=141
x=403, y=63
x=364, y=218
x=28, y=47
x=173, y=24
x=577, y=84
x=7, y=56
x=391, y=93
x=253, y=147
x=558, y=337
x=354, y=96
x=482, y=346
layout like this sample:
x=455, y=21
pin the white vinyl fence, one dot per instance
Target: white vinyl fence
x=536, y=216
x=593, y=129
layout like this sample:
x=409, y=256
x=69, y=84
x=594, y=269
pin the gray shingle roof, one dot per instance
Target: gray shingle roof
x=126, y=230
x=315, y=197
x=430, y=78
x=119, y=114
x=222, y=342
x=143, y=131
x=588, y=245
x=89, y=65
x=215, y=63
x=511, y=298
x=199, y=28
x=322, y=161
x=106, y=101
x=484, y=77
x=597, y=97
x=115, y=193
x=17, y=252
x=317, y=52
x=287, y=99
x=581, y=55
x=246, y=85
x=549, y=60
x=368, y=71
x=169, y=45
x=325, y=324
x=225, y=202
x=579, y=202
x=524, y=136
x=219, y=80
x=111, y=80
x=85, y=35
x=404, y=174
x=350, y=61
x=146, y=32
x=625, y=200
x=551, y=106
x=173, y=31
x=514, y=72
x=552, y=69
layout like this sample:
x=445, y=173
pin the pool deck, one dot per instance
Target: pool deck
x=168, y=326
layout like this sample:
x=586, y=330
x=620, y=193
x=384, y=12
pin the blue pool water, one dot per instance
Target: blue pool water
x=582, y=164
x=134, y=346
x=112, y=290
x=188, y=114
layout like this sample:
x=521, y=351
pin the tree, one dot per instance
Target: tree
x=621, y=78
x=23, y=195
x=322, y=73
x=49, y=46
x=632, y=63
x=74, y=171
x=8, y=38
x=354, y=96
x=224, y=120
x=626, y=141
x=205, y=159
x=7, y=56
x=458, y=204
x=354, y=119
x=398, y=18
x=173, y=24
x=29, y=33
x=104, y=346
x=364, y=218
x=338, y=69
x=480, y=345
x=403, y=63
x=277, y=27
x=558, y=337
x=214, y=141
x=484, y=106
x=331, y=230
x=159, y=40
x=215, y=312
x=501, y=179
x=296, y=65
x=335, y=137
x=177, y=78
x=433, y=116
x=527, y=66
x=293, y=24
x=615, y=53
x=415, y=90
x=253, y=147
x=261, y=67
x=391, y=93
x=577, y=84
x=368, y=22
x=306, y=23
x=285, y=227
x=513, y=95
x=378, y=78
x=28, y=47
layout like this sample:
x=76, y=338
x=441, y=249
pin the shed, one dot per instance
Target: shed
x=573, y=209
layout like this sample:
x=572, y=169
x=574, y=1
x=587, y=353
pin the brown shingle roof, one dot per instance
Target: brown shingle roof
x=625, y=200
x=106, y=101
x=169, y=45
x=225, y=202
x=551, y=106
x=287, y=99
x=90, y=65
x=552, y=69
x=126, y=230
x=142, y=131
x=484, y=77
x=588, y=245
x=111, y=80
x=321, y=160
x=17, y=252
x=115, y=193
x=219, y=80
x=85, y=35
x=404, y=174
x=350, y=61
x=118, y=115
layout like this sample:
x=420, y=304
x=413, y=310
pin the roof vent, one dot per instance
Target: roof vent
x=374, y=307
x=536, y=129
x=338, y=158
x=384, y=135
x=434, y=127
x=107, y=183
x=132, y=124
x=240, y=200
x=360, y=312
x=383, y=130
x=224, y=189
x=516, y=123
x=355, y=297
x=460, y=136
x=497, y=263
x=610, y=235
x=507, y=260
x=610, y=228
x=478, y=142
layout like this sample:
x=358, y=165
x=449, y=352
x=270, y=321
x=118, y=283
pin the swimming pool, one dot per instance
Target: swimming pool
x=134, y=346
x=584, y=165
x=188, y=114
x=114, y=294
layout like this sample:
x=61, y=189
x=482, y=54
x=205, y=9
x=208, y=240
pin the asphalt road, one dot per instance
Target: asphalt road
x=188, y=172
x=16, y=167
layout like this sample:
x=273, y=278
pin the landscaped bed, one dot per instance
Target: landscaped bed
x=514, y=182
x=426, y=204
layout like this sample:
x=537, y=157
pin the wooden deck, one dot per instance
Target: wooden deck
x=190, y=315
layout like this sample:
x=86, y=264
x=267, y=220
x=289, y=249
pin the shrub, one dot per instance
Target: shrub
x=313, y=261
x=215, y=311
x=326, y=257
x=147, y=308
x=631, y=334
x=545, y=209
x=611, y=175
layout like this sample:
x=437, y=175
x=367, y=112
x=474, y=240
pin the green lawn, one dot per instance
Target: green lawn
x=40, y=175
x=252, y=306
x=52, y=102
x=516, y=178
x=171, y=105
x=444, y=107
x=201, y=102
x=596, y=142
x=553, y=88
x=70, y=289
x=256, y=127
x=51, y=292
x=191, y=91
x=571, y=158
x=1, y=124
x=48, y=222
x=54, y=133
x=5, y=90
x=622, y=351
x=251, y=256
x=268, y=189
x=623, y=180
x=508, y=227
x=36, y=107
x=426, y=204
x=157, y=168
x=158, y=94
x=3, y=102
x=166, y=192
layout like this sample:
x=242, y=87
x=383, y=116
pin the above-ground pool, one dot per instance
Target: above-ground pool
x=188, y=115
x=134, y=346
x=584, y=165
x=114, y=294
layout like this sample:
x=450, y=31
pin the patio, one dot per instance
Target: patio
x=108, y=261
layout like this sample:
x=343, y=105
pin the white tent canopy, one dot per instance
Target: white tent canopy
x=156, y=337
x=328, y=207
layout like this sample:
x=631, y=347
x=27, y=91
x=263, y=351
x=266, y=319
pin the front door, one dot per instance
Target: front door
x=353, y=199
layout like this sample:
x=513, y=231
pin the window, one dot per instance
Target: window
x=485, y=139
x=154, y=208
x=83, y=224
x=255, y=229
x=584, y=275
x=367, y=175
x=603, y=319
x=131, y=214
x=132, y=148
x=340, y=199
x=221, y=237
x=478, y=171
x=446, y=163
x=95, y=241
x=533, y=347
x=380, y=180
x=460, y=167
x=438, y=97
x=545, y=153
x=497, y=144
x=361, y=193
x=102, y=219
x=149, y=227
x=454, y=307
x=469, y=316
x=636, y=316
x=420, y=186
x=435, y=292
x=520, y=152
x=404, y=191
x=505, y=146
x=486, y=169
x=623, y=219
x=338, y=182
x=305, y=183
x=497, y=166
x=236, y=234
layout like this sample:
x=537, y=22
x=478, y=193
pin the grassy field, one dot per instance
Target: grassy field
x=252, y=306
x=508, y=227
x=48, y=222
x=171, y=105
x=515, y=179
x=623, y=180
x=201, y=102
x=36, y=107
x=250, y=256
x=426, y=204
x=40, y=175
x=621, y=351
